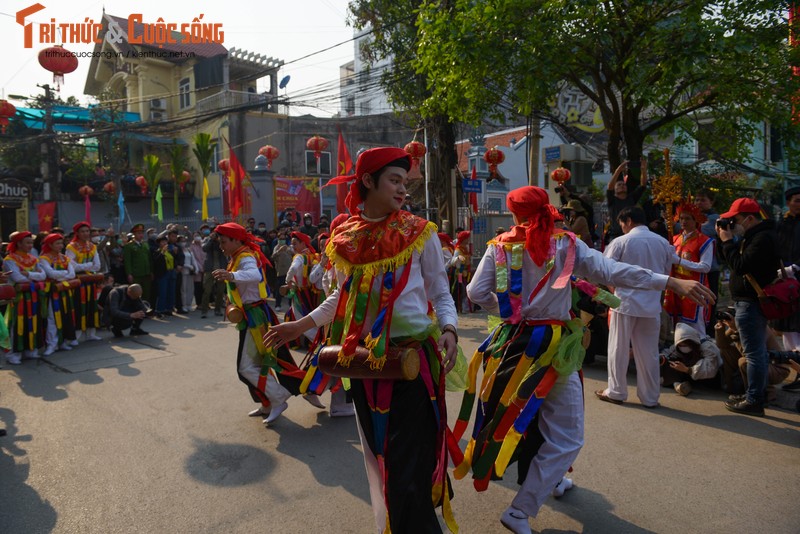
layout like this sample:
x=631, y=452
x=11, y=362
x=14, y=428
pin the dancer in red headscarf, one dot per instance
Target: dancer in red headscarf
x=389, y=264
x=86, y=261
x=60, y=272
x=696, y=252
x=531, y=362
x=459, y=271
x=271, y=375
x=26, y=327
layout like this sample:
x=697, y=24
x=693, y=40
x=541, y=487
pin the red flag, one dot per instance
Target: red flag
x=236, y=176
x=46, y=213
x=473, y=197
x=343, y=167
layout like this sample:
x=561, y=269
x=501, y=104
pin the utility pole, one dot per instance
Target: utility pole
x=533, y=153
x=49, y=168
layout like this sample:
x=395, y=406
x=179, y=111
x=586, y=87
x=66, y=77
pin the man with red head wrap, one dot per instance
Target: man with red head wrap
x=536, y=353
x=696, y=253
x=388, y=264
x=26, y=327
x=270, y=375
x=86, y=261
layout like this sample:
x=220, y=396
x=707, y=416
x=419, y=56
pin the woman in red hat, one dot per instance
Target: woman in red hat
x=26, y=327
x=696, y=253
x=532, y=360
x=83, y=254
x=389, y=265
x=270, y=375
x=59, y=269
x=303, y=295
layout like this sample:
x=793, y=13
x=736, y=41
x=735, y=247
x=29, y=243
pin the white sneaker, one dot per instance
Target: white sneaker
x=564, y=485
x=94, y=338
x=345, y=410
x=65, y=346
x=74, y=343
x=13, y=358
x=275, y=413
x=49, y=350
x=313, y=400
x=261, y=411
x=516, y=521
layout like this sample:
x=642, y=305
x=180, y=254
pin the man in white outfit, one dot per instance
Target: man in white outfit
x=638, y=319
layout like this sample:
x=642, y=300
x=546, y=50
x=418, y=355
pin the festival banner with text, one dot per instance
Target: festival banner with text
x=297, y=193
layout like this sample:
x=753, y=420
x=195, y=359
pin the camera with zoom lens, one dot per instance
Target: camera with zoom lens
x=725, y=224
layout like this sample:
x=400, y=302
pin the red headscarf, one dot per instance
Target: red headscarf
x=77, y=226
x=300, y=236
x=557, y=215
x=368, y=162
x=49, y=240
x=15, y=238
x=445, y=240
x=238, y=232
x=530, y=204
x=463, y=236
x=692, y=209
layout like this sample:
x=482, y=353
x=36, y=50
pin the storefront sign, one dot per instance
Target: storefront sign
x=13, y=192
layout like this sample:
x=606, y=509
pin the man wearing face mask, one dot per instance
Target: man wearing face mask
x=757, y=255
x=694, y=356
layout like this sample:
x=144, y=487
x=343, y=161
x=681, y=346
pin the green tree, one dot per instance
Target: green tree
x=152, y=173
x=177, y=165
x=204, y=152
x=393, y=37
x=650, y=66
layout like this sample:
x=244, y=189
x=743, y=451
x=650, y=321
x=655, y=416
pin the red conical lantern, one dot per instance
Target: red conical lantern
x=494, y=157
x=7, y=110
x=560, y=175
x=271, y=153
x=416, y=150
x=224, y=165
x=183, y=179
x=317, y=144
x=141, y=182
x=109, y=188
x=86, y=191
x=59, y=61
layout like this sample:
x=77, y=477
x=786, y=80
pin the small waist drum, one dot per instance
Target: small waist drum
x=400, y=363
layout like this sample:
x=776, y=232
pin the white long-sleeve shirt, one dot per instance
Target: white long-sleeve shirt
x=247, y=278
x=646, y=249
x=56, y=274
x=426, y=281
x=706, y=259
x=35, y=275
x=554, y=304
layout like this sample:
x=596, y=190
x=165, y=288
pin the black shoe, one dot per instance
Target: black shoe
x=168, y=313
x=117, y=332
x=138, y=332
x=203, y=315
x=149, y=313
x=794, y=386
x=737, y=398
x=745, y=407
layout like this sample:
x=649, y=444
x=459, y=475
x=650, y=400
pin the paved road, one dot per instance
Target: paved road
x=151, y=436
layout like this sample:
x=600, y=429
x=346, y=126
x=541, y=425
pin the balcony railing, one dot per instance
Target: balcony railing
x=229, y=99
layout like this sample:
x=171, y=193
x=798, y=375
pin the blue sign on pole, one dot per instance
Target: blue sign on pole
x=472, y=186
x=552, y=153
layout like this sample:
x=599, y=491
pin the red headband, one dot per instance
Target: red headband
x=462, y=236
x=300, y=236
x=692, y=209
x=49, y=240
x=15, y=238
x=445, y=239
x=530, y=203
x=368, y=162
x=237, y=232
x=77, y=226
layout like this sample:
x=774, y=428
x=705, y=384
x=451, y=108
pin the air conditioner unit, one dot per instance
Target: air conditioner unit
x=158, y=103
x=158, y=115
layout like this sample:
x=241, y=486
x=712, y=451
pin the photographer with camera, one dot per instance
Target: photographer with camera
x=215, y=259
x=692, y=357
x=757, y=255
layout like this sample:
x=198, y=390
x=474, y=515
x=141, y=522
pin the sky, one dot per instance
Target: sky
x=286, y=30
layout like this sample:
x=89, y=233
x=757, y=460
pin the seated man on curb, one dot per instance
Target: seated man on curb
x=692, y=357
x=126, y=310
